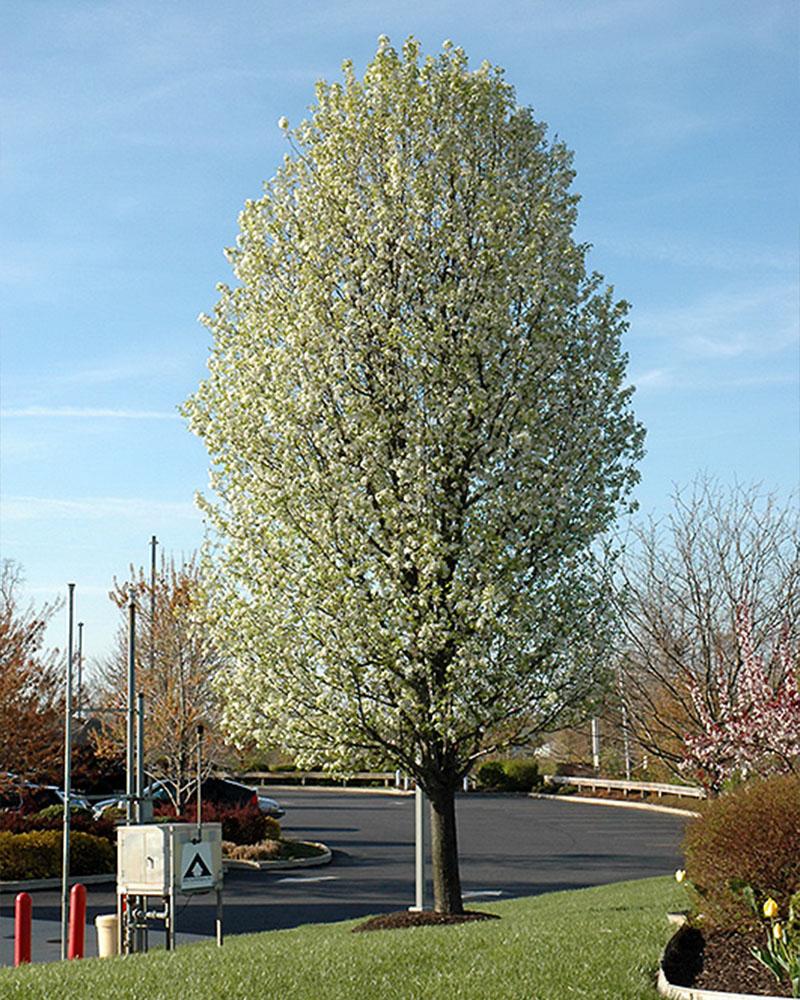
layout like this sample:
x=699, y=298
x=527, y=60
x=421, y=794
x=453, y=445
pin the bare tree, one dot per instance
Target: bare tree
x=174, y=670
x=31, y=695
x=682, y=581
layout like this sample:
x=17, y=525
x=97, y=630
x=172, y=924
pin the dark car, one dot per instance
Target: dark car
x=220, y=791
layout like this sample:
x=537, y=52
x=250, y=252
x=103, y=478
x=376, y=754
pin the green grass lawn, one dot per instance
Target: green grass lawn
x=600, y=943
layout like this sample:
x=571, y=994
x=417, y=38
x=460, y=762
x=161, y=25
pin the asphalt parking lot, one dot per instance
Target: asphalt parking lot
x=509, y=846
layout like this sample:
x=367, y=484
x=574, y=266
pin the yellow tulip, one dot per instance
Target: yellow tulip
x=680, y=875
x=770, y=908
x=777, y=931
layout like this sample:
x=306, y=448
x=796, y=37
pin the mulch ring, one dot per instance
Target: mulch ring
x=720, y=960
x=424, y=918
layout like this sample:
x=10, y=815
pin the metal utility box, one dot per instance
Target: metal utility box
x=162, y=859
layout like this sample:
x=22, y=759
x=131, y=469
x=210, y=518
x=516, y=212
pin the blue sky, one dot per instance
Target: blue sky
x=132, y=133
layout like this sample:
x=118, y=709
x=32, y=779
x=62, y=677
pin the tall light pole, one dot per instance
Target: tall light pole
x=130, y=775
x=67, y=771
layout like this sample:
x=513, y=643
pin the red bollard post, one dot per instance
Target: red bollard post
x=77, y=921
x=22, y=928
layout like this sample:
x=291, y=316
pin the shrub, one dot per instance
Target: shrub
x=240, y=824
x=521, y=775
x=57, y=813
x=52, y=818
x=513, y=775
x=267, y=850
x=491, y=774
x=272, y=850
x=750, y=835
x=90, y=855
x=38, y=855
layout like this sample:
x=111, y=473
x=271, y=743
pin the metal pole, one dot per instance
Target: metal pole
x=199, y=781
x=139, y=755
x=153, y=544
x=420, y=837
x=595, y=747
x=129, y=761
x=172, y=930
x=79, y=699
x=67, y=773
x=626, y=743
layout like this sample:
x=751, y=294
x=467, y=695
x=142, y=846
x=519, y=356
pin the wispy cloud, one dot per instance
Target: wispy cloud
x=15, y=272
x=656, y=379
x=753, y=322
x=31, y=508
x=149, y=365
x=652, y=378
x=87, y=413
x=726, y=256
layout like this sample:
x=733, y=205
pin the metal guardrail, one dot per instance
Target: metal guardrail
x=394, y=779
x=618, y=784
x=389, y=778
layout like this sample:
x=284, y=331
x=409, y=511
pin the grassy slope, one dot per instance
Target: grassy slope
x=600, y=943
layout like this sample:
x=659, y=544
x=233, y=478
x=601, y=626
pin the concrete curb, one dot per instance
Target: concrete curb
x=338, y=790
x=267, y=866
x=55, y=883
x=667, y=989
x=619, y=803
x=671, y=810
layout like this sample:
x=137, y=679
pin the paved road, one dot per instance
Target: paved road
x=509, y=846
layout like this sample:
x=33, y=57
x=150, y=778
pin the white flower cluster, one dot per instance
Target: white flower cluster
x=416, y=427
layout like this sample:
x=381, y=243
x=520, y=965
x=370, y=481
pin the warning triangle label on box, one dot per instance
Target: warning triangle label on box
x=197, y=867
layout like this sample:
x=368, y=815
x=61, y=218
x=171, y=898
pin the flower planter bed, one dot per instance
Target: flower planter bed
x=322, y=856
x=715, y=965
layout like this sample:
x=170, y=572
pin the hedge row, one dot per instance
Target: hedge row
x=515, y=774
x=52, y=818
x=38, y=855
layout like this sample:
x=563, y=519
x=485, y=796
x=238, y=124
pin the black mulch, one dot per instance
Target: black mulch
x=720, y=960
x=424, y=918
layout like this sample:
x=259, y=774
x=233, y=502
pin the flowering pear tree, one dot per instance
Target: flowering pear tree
x=418, y=423
x=758, y=728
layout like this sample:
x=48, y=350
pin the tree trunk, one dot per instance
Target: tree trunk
x=444, y=853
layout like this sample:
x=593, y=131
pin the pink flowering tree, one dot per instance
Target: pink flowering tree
x=756, y=728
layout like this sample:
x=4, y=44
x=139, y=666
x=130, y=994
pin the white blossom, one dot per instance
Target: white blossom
x=417, y=428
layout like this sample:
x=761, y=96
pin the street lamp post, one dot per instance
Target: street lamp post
x=67, y=772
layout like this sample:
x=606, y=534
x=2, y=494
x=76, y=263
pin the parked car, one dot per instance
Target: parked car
x=51, y=795
x=220, y=791
x=30, y=797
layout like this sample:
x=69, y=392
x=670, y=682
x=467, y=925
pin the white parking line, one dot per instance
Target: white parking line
x=482, y=892
x=313, y=878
